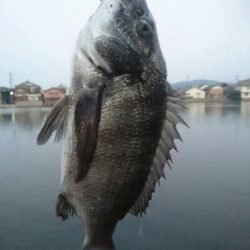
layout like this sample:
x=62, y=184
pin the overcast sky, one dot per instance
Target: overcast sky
x=208, y=39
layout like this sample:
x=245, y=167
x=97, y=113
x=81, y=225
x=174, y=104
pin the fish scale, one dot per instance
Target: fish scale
x=135, y=158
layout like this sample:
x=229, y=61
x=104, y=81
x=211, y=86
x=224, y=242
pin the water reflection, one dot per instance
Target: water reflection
x=245, y=109
x=199, y=110
x=7, y=117
x=223, y=109
x=24, y=118
x=204, y=204
x=195, y=110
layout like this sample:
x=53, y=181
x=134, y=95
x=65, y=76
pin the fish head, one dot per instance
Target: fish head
x=121, y=38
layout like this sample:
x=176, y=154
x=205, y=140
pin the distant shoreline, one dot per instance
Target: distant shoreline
x=5, y=106
x=212, y=101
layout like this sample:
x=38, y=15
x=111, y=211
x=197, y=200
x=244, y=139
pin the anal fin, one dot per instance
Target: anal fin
x=63, y=208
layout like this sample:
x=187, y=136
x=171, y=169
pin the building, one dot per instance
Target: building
x=6, y=96
x=28, y=94
x=232, y=94
x=244, y=88
x=245, y=92
x=195, y=93
x=53, y=95
x=216, y=93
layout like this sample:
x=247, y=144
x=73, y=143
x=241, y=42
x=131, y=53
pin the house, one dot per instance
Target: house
x=28, y=94
x=6, y=96
x=244, y=88
x=245, y=92
x=53, y=95
x=216, y=93
x=195, y=93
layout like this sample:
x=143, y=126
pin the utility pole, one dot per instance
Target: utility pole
x=10, y=80
x=237, y=78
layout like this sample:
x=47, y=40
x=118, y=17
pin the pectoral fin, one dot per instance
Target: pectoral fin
x=87, y=118
x=56, y=121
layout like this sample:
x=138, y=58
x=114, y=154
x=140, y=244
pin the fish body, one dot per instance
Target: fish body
x=117, y=121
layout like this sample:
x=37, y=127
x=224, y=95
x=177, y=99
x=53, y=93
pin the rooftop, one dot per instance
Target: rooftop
x=243, y=83
x=5, y=89
x=27, y=84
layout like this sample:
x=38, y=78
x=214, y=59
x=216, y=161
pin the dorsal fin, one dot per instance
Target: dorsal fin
x=55, y=121
x=162, y=156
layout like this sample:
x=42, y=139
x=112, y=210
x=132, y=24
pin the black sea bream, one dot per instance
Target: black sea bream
x=117, y=121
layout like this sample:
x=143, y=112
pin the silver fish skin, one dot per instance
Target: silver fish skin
x=117, y=121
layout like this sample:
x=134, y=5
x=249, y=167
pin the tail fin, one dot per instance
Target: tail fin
x=101, y=244
x=99, y=237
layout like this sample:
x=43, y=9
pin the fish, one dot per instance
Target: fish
x=117, y=121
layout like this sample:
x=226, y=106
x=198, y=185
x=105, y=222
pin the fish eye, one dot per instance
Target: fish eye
x=144, y=28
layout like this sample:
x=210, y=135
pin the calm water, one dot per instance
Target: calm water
x=204, y=204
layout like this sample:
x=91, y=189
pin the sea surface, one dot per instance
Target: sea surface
x=203, y=204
